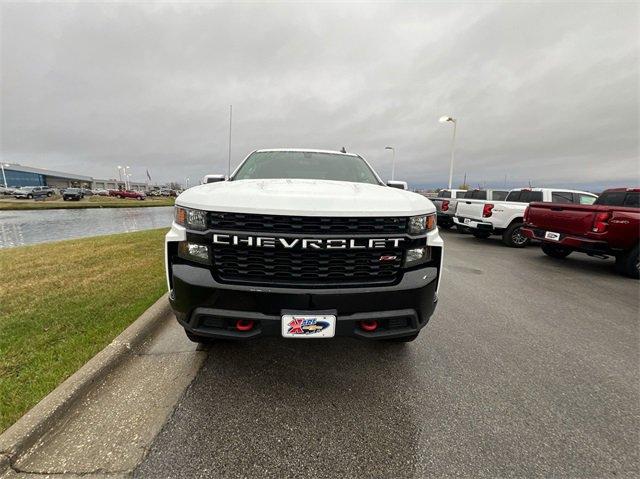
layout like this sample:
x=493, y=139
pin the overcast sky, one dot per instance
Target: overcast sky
x=547, y=93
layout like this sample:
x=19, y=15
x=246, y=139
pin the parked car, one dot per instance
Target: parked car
x=87, y=192
x=72, y=194
x=609, y=227
x=505, y=218
x=445, y=204
x=136, y=195
x=31, y=192
x=101, y=192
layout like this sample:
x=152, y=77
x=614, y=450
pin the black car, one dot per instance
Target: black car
x=72, y=194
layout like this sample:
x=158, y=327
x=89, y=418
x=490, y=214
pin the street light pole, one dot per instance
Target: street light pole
x=127, y=178
x=393, y=161
x=445, y=119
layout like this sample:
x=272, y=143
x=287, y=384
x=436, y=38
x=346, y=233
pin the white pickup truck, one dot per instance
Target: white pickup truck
x=485, y=218
x=303, y=244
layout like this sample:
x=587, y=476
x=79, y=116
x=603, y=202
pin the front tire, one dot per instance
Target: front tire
x=513, y=236
x=628, y=264
x=555, y=251
x=481, y=234
x=29, y=197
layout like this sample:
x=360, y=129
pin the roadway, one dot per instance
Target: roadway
x=529, y=367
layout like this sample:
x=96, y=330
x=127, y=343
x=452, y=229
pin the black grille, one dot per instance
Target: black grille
x=308, y=267
x=307, y=224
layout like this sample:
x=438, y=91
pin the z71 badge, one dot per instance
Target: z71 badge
x=307, y=326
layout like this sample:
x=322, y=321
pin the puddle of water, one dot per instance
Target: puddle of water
x=19, y=228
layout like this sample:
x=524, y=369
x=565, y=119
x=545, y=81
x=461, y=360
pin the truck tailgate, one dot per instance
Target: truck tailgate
x=470, y=208
x=562, y=218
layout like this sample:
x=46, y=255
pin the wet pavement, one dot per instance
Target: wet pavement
x=529, y=367
x=19, y=228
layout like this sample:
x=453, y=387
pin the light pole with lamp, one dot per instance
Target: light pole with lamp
x=393, y=161
x=445, y=119
x=186, y=180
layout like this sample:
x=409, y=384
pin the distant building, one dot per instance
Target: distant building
x=18, y=175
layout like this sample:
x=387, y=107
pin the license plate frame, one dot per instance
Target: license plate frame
x=467, y=221
x=307, y=325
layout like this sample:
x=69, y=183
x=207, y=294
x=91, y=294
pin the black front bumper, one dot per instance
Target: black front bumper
x=210, y=309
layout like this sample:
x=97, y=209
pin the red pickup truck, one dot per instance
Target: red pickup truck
x=609, y=227
x=136, y=195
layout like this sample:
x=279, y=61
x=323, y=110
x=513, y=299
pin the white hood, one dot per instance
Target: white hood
x=305, y=198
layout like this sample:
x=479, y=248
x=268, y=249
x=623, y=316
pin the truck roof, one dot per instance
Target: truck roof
x=306, y=150
x=553, y=189
x=622, y=189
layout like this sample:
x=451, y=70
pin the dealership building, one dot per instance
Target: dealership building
x=17, y=176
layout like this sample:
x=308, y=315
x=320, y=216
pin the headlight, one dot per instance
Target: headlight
x=190, y=218
x=421, y=224
x=193, y=252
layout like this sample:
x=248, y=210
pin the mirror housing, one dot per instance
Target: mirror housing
x=402, y=185
x=213, y=178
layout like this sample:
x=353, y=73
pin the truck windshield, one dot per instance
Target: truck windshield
x=305, y=165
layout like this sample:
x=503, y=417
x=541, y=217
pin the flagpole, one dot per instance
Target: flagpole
x=230, y=118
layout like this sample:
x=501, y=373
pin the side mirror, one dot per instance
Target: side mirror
x=213, y=178
x=402, y=185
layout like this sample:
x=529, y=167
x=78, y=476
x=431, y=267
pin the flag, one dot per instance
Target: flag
x=148, y=175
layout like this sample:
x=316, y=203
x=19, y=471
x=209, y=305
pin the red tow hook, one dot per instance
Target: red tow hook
x=369, y=325
x=244, y=324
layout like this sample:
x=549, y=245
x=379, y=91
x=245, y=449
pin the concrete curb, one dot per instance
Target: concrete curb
x=30, y=427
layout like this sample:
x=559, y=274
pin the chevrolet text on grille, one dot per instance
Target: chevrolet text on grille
x=306, y=243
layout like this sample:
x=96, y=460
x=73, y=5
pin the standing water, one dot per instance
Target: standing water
x=19, y=228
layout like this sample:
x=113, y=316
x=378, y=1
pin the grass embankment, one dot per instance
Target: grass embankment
x=61, y=303
x=88, y=202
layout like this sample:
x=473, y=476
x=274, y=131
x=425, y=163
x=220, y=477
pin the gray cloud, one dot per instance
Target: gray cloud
x=546, y=93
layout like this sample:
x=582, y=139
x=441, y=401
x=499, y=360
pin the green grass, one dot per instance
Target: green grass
x=61, y=303
x=89, y=202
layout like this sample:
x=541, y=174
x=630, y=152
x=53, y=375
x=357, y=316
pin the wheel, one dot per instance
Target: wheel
x=481, y=234
x=628, y=264
x=555, y=251
x=513, y=236
x=30, y=197
x=198, y=339
x=404, y=339
x=49, y=194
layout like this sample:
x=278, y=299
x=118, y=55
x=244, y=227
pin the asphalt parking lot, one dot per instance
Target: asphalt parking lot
x=529, y=367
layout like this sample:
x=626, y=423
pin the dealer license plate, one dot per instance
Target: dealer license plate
x=307, y=326
x=467, y=221
x=550, y=235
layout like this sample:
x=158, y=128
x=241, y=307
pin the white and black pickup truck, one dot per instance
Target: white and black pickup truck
x=303, y=244
x=485, y=218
